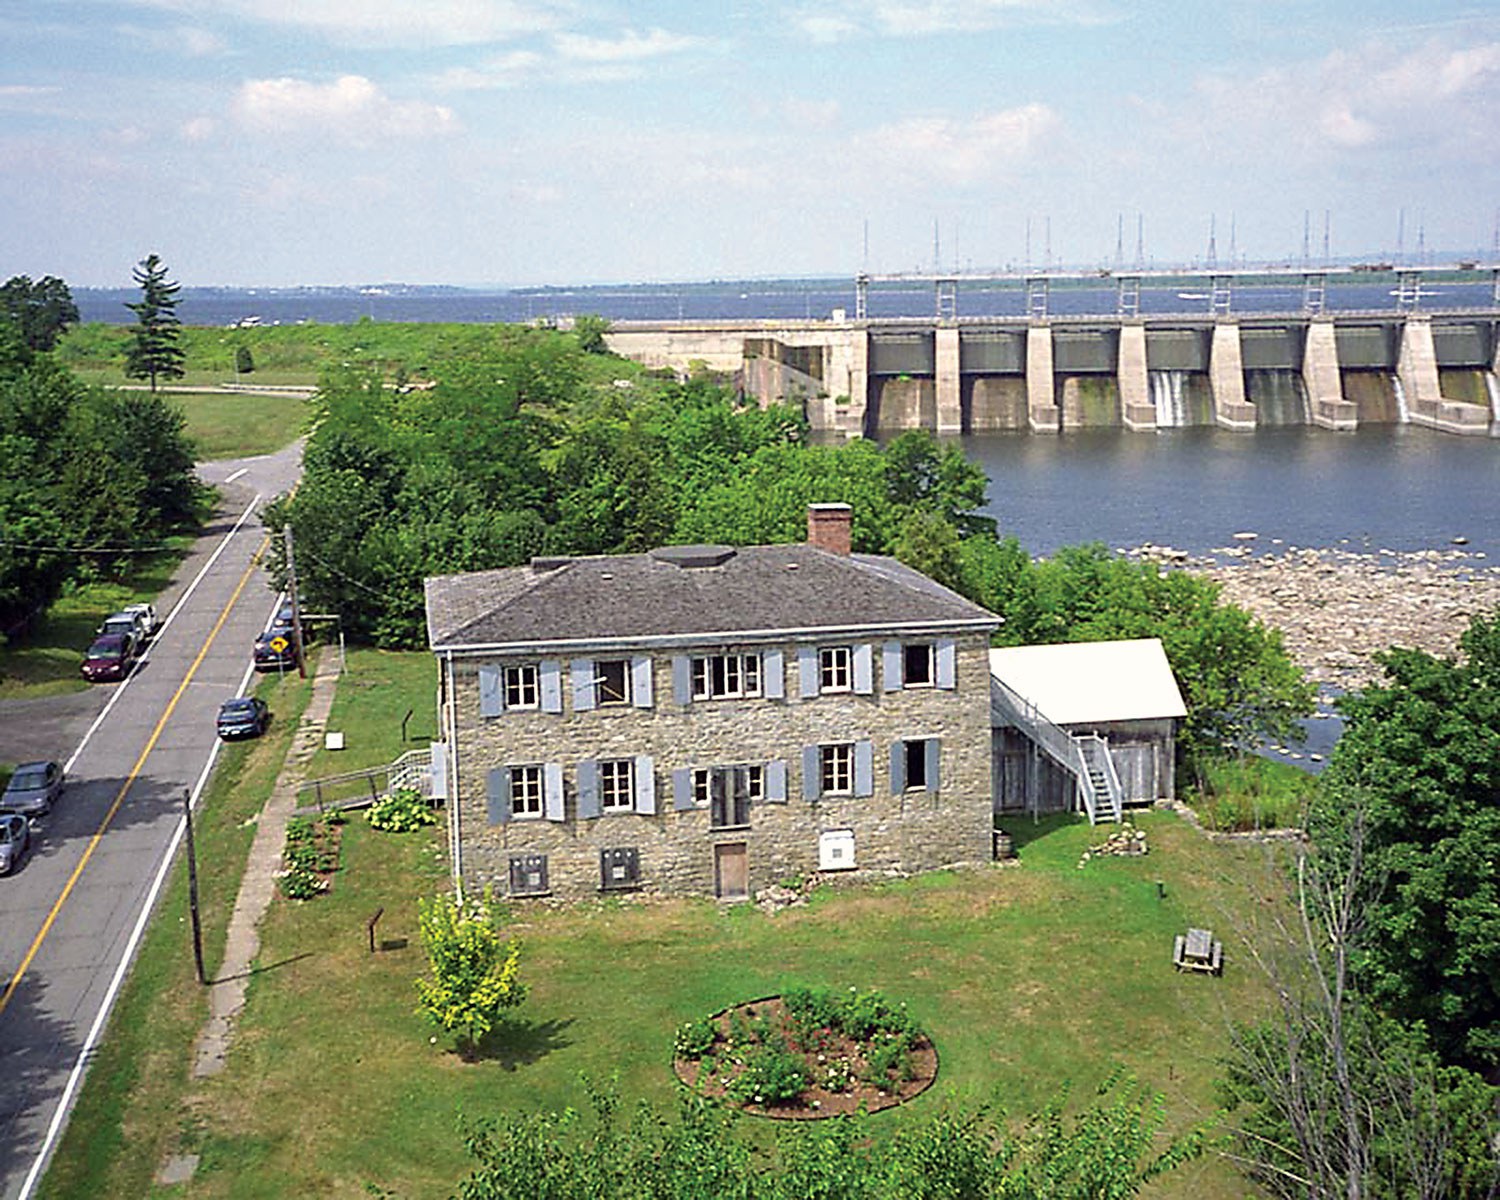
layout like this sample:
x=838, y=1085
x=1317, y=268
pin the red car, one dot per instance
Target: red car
x=110, y=657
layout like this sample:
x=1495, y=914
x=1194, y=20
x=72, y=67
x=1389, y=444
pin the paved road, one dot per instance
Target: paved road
x=70, y=919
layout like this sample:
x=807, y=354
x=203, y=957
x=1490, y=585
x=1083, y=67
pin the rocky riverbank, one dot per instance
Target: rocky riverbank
x=1338, y=607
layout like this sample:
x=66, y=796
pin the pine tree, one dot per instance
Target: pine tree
x=154, y=353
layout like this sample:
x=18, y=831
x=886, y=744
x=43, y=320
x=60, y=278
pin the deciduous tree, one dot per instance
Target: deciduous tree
x=40, y=312
x=475, y=968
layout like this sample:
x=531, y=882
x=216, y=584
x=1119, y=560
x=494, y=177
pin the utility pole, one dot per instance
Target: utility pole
x=291, y=587
x=192, y=862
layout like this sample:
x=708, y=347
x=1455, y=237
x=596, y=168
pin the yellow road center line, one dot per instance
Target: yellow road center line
x=135, y=771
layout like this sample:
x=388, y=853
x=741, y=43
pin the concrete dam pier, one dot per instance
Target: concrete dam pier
x=1056, y=373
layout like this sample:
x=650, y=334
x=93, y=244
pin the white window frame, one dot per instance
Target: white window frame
x=616, y=785
x=528, y=792
x=726, y=676
x=836, y=769
x=836, y=668
x=519, y=682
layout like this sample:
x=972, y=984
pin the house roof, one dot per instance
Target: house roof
x=1076, y=683
x=699, y=591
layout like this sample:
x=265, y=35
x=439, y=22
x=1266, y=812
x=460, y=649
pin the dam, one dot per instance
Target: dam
x=1047, y=371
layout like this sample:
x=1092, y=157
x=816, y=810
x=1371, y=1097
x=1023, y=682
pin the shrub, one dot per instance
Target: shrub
x=402, y=811
x=770, y=1077
x=868, y=1014
x=812, y=1009
x=889, y=1062
x=694, y=1039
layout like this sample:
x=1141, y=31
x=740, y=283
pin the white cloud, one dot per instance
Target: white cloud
x=963, y=151
x=812, y=114
x=629, y=47
x=1366, y=99
x=351, y=108
x=404, y=23
x=199, y=129
x=25, y=91
x=189, y=41
x=915, y=18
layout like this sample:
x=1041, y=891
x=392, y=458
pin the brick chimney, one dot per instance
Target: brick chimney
x=828, y=527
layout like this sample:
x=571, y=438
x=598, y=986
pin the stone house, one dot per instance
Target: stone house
x=709, y=720
x=1086, y=725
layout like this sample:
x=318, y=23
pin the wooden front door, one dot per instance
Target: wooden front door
x=731, y=871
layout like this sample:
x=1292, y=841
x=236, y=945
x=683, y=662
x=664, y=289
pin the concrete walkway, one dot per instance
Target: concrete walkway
x=226, y=995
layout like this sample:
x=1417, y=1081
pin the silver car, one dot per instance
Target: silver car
x=33, y=789
x=15, y=837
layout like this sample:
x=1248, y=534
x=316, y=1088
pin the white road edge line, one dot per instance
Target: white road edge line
x=236, y=475
x=127, y=956
x=176, y=608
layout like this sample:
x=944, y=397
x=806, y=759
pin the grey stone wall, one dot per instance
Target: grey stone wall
x=910, y=831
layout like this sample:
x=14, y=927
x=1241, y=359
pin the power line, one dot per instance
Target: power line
x=158, y=549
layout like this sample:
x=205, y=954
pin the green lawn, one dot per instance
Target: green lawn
x=227, y=425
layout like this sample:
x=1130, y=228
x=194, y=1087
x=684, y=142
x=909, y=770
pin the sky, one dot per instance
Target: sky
x=519, y=142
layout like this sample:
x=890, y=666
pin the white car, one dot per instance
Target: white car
x=146, y=618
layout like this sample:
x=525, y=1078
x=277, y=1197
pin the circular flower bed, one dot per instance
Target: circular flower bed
x=810, y=1052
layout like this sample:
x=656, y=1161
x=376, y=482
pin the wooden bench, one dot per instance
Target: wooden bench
x=1198, y=951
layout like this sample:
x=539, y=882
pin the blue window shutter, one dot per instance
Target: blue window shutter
x=682, y=789
x=645, y=785
x=551, y=679
x=490, y=702
x=682, y=680
x=934, y=752
x=864, y=768
x=947, y=663
x=552, y=791
x=773, y=675
x=807, y=671
x=775, y=781
x=497, y=794
x=588, y=789
x=812, y=772
x=891, y=667
x=581, y=671
x=898, y=768
x=640, y=682
x=864, y=668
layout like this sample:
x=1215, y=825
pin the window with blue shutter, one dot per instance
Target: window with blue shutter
x=581, y=674
x=898, y=768
x=640, y=682
x=934, y=751
x=551, y=675
x=890, y=664
x=645, y=785
x=497, y=794
x=864, y=768
x=588, y=790
x=914, y=764
x=553, y=783
x=773, y=673
x=864, y=669
x=682, y=789
x=490, y=704
x=947, y=663
x=682, y=680
x=807, y=672
x=812, y=772
x=775, y=781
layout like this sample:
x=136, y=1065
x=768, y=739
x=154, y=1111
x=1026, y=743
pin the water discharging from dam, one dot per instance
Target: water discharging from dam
x=1279, y=396
x=1181, y=398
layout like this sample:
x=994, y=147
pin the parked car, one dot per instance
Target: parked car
x=125, y=625
x=145, y=615
x=110, y=657
x=244, y=716
x=276, y=651
x=15, y=838
x=282, y=621
x=33, y=789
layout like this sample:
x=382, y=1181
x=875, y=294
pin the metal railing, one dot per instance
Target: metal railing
x=1075, y=754
x=1095, y=751
x=356, y=788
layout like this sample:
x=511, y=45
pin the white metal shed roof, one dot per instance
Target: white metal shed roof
x=1075, y=683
